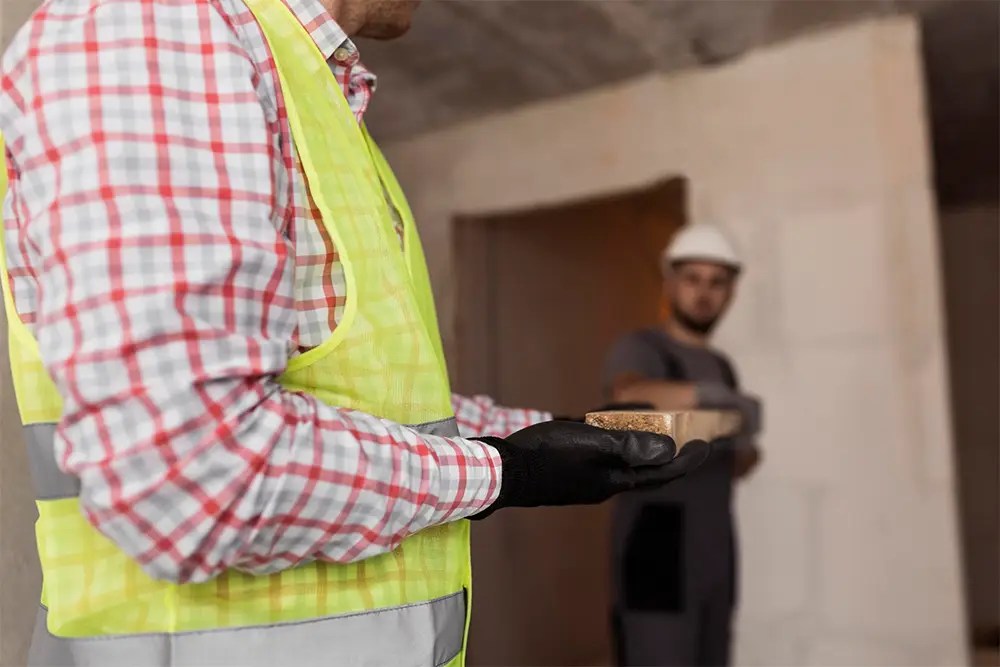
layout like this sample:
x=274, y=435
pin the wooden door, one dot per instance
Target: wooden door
x=543, y=294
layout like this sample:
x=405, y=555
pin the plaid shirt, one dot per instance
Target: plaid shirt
x=164, y=250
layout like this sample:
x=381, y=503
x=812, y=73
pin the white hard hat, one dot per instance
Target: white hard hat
x=701, y=243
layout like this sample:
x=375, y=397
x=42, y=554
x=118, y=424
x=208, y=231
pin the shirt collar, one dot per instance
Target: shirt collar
x=330, y=38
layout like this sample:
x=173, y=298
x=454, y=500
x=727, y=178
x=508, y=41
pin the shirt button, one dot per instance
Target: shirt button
x=341, y=54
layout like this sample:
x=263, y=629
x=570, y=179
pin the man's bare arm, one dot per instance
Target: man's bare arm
x=662, y=394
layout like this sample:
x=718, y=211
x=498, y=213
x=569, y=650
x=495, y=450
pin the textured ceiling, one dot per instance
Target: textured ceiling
x=467, y=58
x=464, y=58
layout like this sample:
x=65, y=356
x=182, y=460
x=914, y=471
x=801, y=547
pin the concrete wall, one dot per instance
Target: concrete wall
x=970, y=243
x=814, y=155
x=20, y=576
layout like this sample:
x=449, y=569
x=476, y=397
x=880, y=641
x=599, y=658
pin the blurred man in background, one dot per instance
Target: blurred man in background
x=674, y=550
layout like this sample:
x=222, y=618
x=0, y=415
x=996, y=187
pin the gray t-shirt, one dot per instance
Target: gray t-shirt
x=706, y=494
x=642, y=353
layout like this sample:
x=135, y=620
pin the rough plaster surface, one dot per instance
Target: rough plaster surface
x=466, y=59
x=463, y=59
x=814, y=155
x=20, y=575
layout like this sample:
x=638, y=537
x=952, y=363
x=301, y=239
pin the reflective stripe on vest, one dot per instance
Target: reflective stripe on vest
x=423, y=634
x=426, y=634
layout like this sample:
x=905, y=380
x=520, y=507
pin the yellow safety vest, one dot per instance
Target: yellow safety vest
x=405, y=608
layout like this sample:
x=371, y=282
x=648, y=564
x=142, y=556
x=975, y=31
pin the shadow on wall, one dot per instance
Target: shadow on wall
x=960, y=43
x=970, y=243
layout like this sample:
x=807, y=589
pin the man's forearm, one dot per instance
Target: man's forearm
x=663, y=395
x=279, y=480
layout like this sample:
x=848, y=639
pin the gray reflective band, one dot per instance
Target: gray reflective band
x=51, y=483
x=429, y=634
x=447, y=428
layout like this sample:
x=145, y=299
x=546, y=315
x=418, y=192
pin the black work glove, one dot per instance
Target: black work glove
x=567, y=463
x=612, y=407
x=715, y=395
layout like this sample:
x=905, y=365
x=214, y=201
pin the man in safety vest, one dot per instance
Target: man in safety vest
x=226, y=355
x=674, y=547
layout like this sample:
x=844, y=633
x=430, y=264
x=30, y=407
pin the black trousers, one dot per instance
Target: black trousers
x=700, y=637
x=676, y=596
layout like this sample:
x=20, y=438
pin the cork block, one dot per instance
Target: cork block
x=683, y=426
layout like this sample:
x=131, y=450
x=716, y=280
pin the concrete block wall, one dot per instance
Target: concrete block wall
x=814, y=155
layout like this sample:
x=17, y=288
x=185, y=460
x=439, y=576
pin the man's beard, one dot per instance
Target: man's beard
x=700, y=327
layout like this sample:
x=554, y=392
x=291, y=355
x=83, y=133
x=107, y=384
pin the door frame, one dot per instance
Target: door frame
x=474, y=330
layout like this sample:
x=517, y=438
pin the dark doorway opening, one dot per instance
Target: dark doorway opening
x=542, y=295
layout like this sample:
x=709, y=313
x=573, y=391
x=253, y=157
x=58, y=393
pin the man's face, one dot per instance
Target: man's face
x=699, y=294
x=387, y=19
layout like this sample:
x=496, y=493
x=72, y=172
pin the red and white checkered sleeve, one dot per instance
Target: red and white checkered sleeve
x=481, y=416
x=143, y=184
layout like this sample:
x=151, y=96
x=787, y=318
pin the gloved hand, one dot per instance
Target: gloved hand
x=567, y=463
x=718, y=396
x=611, y=407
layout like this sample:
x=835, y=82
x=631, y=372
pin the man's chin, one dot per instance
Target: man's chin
x=392, y=26
x=699, y=325
x=385, y=31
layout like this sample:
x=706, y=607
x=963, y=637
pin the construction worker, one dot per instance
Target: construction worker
x=229, y=372
x=674, y=549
